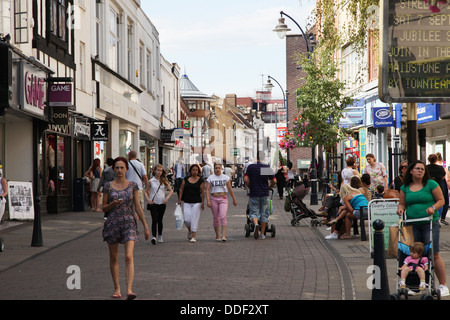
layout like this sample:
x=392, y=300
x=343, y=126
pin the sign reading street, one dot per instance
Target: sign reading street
x=415, y=52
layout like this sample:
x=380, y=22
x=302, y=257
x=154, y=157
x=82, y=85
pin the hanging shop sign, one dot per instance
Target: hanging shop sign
x=427, y=112
x=60, y=94
x=352, y=117
x=167, y=135
x=415, y=55
x=99, y=131
x=383, y=117
x=60, y=115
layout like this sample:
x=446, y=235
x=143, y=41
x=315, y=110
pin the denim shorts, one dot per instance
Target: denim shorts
x=258, y=208
x=422, y=234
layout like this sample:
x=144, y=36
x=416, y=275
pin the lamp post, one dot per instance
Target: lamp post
x=269, y=86
x=281, y=29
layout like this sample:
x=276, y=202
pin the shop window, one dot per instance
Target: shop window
x=57, y=158
x=125, y=142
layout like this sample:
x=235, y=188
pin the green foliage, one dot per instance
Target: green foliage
x=321, y=103
x=361, y=15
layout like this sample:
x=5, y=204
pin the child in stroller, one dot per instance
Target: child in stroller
x=298, y=209
x=415, y=262
x=413, y=281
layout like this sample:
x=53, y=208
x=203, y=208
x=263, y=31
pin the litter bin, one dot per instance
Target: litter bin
x=78, y=195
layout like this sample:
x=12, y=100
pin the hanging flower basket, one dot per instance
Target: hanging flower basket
x=288, y=142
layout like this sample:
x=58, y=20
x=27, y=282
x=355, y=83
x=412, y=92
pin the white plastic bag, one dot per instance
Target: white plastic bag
x=178, y=217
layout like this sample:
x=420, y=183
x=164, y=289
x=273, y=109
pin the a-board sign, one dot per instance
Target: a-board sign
x=385, y=210
x=415, y=52
x=20, y=198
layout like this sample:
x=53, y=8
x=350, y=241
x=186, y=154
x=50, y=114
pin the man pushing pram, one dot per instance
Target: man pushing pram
x=259, y=178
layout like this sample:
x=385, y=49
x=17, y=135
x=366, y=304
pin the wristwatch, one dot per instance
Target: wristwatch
x=433, y=208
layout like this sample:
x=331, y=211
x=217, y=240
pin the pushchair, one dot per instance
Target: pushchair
x=412, y=281
x=250, y=226
x=299, y=210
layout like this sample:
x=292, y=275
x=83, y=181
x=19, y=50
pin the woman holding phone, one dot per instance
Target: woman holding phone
x=120, y=226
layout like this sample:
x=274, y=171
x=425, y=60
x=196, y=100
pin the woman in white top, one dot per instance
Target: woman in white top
x=217, y=186
x=348, y=172
x=154, y=192
x=3, y=194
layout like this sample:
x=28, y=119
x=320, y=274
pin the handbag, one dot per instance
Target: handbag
x=149, y=206
x=406, y=237
x=391, y=194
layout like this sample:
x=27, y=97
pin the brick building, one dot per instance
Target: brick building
x=295, y=45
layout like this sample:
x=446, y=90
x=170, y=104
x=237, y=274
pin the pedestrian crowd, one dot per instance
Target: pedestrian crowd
x=422, y=190
x=124, y=185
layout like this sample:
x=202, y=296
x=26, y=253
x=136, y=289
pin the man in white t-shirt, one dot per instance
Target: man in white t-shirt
x=206, y=170
x=137, y=173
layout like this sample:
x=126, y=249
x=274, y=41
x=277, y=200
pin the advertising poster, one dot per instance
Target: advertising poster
x=21, y=206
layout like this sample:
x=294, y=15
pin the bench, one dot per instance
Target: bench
x=364, y=216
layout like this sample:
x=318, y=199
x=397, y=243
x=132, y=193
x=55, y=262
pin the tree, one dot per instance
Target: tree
x=321, y=102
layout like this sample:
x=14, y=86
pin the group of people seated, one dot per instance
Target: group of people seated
x=344, y=206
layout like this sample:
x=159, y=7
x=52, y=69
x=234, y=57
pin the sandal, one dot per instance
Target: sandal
x=117, y=295
x=331, y=222
x=345, y=236
x=131, y=296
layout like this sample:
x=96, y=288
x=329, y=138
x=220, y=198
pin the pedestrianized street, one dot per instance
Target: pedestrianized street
x=296, y=264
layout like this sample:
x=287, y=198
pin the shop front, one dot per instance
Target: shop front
x=23, y=116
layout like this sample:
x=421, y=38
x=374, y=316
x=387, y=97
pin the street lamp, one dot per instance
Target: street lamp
x=269, y=86
x=281, y=29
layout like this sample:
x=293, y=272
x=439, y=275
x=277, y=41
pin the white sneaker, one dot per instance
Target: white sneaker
x=160, y=239
x=154, y=240
x=332, y=236
x=444, y=290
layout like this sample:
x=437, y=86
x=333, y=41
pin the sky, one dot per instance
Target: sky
x=227, y=47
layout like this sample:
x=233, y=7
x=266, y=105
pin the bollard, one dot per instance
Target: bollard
x=380, y=291
x=36, y=240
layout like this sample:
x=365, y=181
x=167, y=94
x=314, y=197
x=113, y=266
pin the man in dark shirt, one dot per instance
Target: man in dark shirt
x=257, y=179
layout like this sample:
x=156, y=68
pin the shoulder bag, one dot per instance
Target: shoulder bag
x=149, y=206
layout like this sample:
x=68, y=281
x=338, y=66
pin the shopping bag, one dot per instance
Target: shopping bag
x=287, y=204
x=406, y=238
x=178, y=217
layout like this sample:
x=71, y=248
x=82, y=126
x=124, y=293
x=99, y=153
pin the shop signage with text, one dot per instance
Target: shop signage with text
x=60, y=94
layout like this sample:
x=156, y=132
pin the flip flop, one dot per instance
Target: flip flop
x=131, y=296
x=117, y=295
x=345, y=237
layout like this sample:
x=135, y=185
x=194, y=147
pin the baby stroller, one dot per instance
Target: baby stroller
x=299, y=210
x=250, y=226
x=412, y=280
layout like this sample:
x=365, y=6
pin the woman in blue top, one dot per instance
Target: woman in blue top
x=353, y=201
